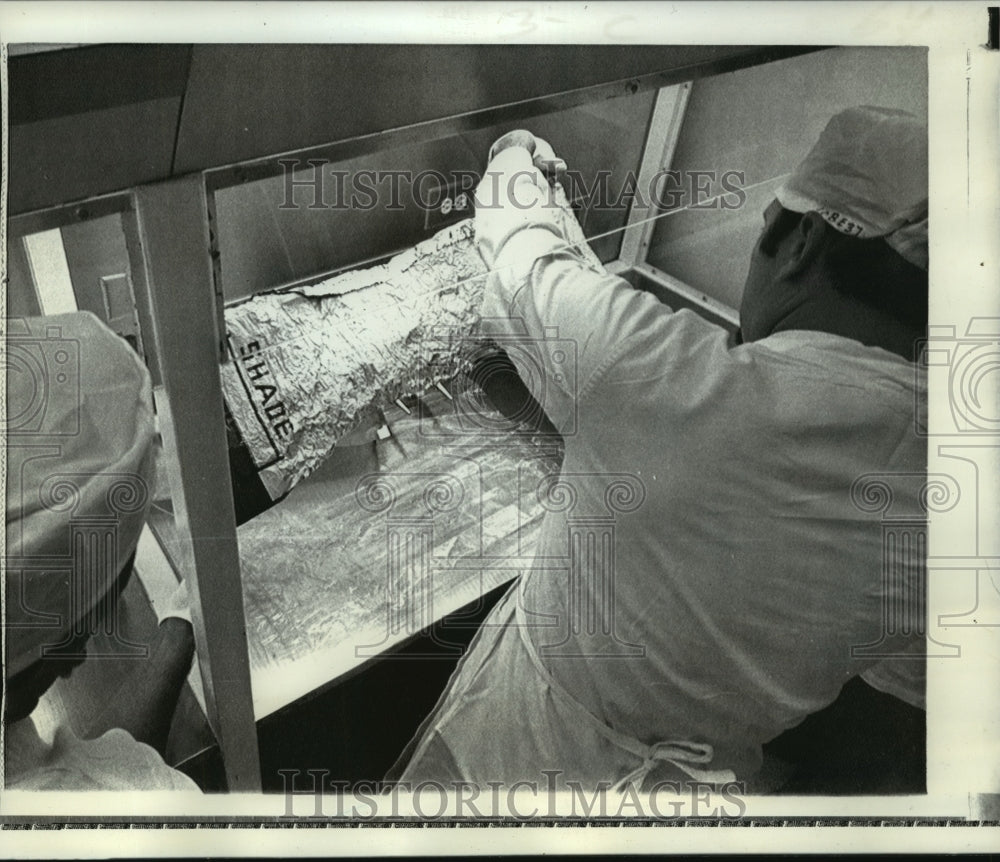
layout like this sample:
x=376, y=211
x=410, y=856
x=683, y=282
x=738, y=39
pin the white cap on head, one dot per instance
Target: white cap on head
x=867, y=177
x=80, y=435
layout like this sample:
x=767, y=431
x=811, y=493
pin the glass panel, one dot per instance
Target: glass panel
x=290, y=228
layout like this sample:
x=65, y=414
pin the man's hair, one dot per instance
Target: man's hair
x=868, y=270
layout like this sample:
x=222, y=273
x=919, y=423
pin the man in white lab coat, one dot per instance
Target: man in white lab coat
x=80, y=470
x=710, y=570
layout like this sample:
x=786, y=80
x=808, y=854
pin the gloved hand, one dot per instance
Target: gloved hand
x=543, y=156
x=515, y=138
x=176, y=605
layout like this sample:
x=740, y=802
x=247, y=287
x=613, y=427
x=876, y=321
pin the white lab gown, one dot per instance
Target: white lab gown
x=114, y=761
x=741, y=579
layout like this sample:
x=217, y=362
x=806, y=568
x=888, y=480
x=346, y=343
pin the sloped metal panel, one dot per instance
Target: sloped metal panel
x=95, y=78
x=68, y=158
x=87, y=121
x=94, y=120
x=249, y=101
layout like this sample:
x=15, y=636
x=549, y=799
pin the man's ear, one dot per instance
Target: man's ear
x=805, y=244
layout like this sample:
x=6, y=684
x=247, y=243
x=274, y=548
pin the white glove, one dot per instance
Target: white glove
x=543, y=156
x=515, y=138
x=176, y=605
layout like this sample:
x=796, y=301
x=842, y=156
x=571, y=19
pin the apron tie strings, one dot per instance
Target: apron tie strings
x=682, y=754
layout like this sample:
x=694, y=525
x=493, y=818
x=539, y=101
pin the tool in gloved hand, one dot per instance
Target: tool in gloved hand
x=542, y=155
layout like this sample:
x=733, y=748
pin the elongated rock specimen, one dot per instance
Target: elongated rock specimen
x=307, y=365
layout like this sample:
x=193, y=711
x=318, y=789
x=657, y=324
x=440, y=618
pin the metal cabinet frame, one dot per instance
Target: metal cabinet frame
x=173, y=256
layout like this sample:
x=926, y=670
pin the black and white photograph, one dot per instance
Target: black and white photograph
x=439, y=416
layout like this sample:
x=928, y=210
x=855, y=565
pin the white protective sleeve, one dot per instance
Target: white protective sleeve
x=561, y=316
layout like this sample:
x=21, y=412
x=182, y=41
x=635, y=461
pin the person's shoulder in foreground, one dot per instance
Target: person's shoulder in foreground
x=79, y=406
